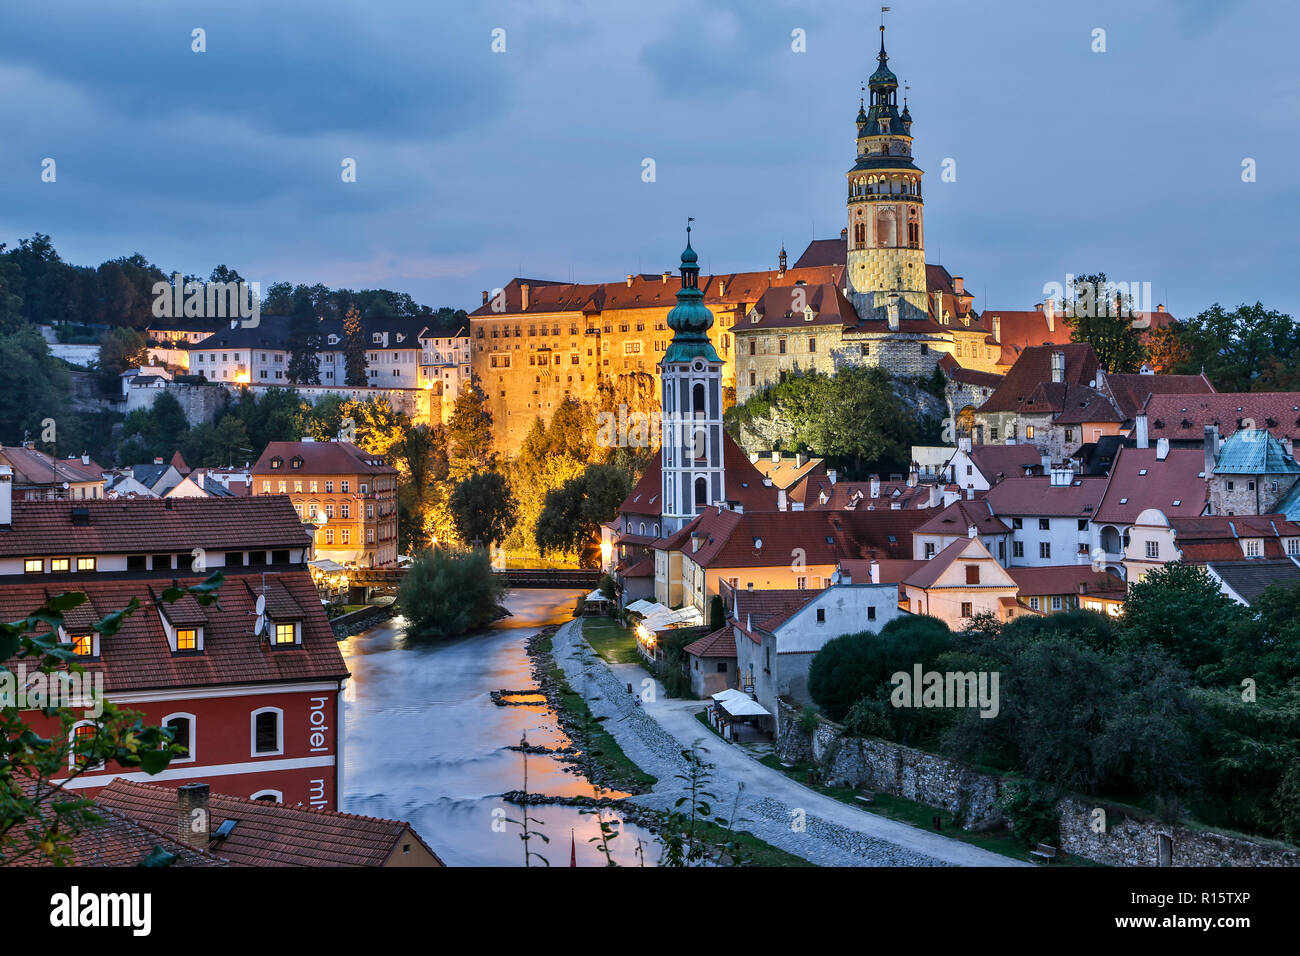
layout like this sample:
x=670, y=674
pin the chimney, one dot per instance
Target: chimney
x=193, y=819
x=958, y=285
x=663, y=280
x=1049, y=313
x=970, y=492
x=697, y=539
x=6, y=496
x=722, y=287
x=1046, y=461
x=1058, y=366
x=875, y=486
x=1162, y=449
x=800, y=459
x=846, y=577
x=997, y=328
x=157, y=461
x=308, y=440
x=972, y=531
x=629, y=280
x=485, y=297
x=831, y=476
x=1140, y=429
x=776, y=457
x=875, y=571
x=85, y=459
x=1160, y=307
x=753, y=457
x=913, y=476
x=963, y=443
x=844, y=234
x=936, y=495
x=782, y=504
x=524, y=289
x=1211, y=448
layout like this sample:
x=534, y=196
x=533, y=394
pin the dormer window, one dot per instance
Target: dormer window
x=83, y=645
x=277, y=462
x=376, y=338
x=187, y=639
x=296, y=462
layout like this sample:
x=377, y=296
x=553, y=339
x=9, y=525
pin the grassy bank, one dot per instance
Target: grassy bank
x=615, y=644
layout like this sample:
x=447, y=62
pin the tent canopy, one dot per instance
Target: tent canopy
x=742, y=706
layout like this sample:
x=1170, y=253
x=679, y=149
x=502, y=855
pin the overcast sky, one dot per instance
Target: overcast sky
x=475, y=166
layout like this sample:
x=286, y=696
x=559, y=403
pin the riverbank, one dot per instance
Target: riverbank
x=759, y=800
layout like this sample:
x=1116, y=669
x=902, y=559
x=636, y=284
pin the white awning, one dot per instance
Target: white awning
x=743, y=706
x=726, y=694
x=325, y=564
x=597, y=595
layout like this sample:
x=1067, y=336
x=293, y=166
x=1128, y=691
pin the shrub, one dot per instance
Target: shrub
x=449, y=592
x=808, y=721
x=1032, y=816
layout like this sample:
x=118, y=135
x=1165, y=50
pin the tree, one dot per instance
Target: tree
x=39, y=816
x=378, y=426
x=1166, y=351
x=1248, y=349
x=1180, y=608
x=303, y=340
x=119, y=350
x=482, y=508
x=573, y=513
x=354, y=349
x=1104, y=319
x=469, y=433
x=449, y=592
x=34, y=389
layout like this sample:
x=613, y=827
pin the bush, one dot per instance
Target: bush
x=1030, y=809
x=448, y=592
x=808, y=721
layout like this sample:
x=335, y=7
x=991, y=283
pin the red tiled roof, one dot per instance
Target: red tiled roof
x=930, y=571
x=1132, y=391
x=1217, y=537
x=1065, y=579
x=36, y=467
x=968, y=376
x=768, y=539
x=1184, y=417
x=957, y=518
x=783, y=307
x=1036, y=497
x=120, y=841
x=1007, y=461
x=644, y=568
x=856, y=495
x=138, y=656
x=721, y=643
x=767, y=609
x=269, y=834
x=131, y=525
x=1129, y=492
x=1034, y=367
x=320, y=458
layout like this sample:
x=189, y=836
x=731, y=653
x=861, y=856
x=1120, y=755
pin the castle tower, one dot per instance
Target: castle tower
x=886, y=231
x=691, y=382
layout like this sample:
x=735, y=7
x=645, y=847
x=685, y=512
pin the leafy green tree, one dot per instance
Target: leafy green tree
x=573, y=513
x=303, y=340
x=11, y=300
x=354, y=349
x=119, y=350
x=1180, y=609
x=450, y=592
x=469, y=433
x=34, y=387
x=1248, y=349
x=482, y=508
x=1104, y=319
x=854, y=666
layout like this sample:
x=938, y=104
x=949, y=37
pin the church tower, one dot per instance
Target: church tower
x=886, y=233
x=691, y=382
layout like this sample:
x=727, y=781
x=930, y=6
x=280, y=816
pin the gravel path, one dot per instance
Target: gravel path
x=770, y=803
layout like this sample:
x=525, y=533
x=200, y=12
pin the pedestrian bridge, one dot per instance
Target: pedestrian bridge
x=515, y=577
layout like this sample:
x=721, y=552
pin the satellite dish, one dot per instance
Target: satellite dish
x=260, y=607
x=259, y=625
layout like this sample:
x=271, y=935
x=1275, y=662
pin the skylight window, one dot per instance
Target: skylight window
x=1177, y=502
x=1123, y=501
x=1143, y=472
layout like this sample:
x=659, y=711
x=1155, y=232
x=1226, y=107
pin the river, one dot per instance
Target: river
x=425, y=743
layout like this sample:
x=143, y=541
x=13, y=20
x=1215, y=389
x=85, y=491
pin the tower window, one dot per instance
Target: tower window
x=701, y=492
x=697, y=398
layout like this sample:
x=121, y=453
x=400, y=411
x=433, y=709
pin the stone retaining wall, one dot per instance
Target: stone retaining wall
x=345, y=625
x=1127, y=838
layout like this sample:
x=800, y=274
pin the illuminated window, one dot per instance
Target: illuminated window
x=83, y=644
x=284, y=634
x=85, y=564
x=187, y=639
x=60, y=564
x=34, y=565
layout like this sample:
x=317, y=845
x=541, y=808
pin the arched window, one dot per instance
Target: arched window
x=182, y=727
x=701, y=492
x=697, y=398
x=267, y=732
x=268, y=796
x=82, y=733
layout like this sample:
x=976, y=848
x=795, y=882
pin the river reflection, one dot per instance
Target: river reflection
x=424, y=742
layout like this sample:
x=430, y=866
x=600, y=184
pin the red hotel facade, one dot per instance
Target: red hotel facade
x=260, y=710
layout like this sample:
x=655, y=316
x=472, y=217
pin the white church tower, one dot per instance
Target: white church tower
x=691, y=377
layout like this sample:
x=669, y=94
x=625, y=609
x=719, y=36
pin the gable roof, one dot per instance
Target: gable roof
x=1034, y=367
x=957, y=518
x=268, y=834
x=136, y=525
x=1140, y=480
x=1249, y=579
x=1066, y=579
x=1131, y=391
x=784, y=307
x=138, y=657
x=721, y=643
x=35, y=466
x=1218, y=537
x=320, y=458
x=1182, y=417
x=928, y=574
x=1038, y=497
x=996, y=462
